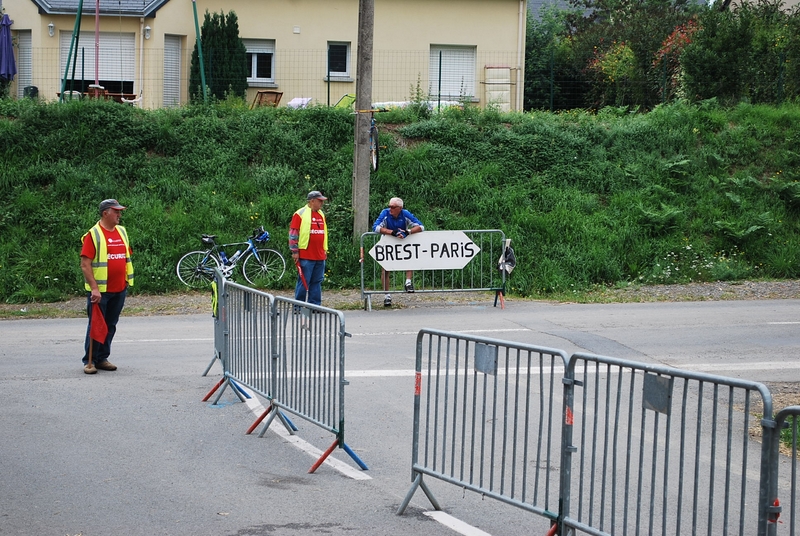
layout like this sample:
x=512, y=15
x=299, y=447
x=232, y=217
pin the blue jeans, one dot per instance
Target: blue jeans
x=111, y=303
x=315, y=273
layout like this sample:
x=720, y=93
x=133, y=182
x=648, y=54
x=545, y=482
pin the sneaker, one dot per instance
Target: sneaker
x=89, y=369
x=387, y=301
x=409, y=286
x=106, y=365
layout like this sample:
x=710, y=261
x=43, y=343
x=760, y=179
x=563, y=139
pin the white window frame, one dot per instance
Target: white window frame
x=458, y=72
x=338, y=76
x=260, y=46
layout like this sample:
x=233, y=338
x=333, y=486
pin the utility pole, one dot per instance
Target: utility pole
x=361, y=161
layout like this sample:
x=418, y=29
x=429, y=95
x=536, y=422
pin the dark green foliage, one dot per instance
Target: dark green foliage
x=683, y=193
x=634, y=54
x=224, y=58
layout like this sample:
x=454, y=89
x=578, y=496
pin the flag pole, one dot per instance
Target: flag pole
x=91, y=340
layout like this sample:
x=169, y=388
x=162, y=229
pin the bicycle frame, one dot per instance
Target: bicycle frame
x=258, y=267
x=229, y=264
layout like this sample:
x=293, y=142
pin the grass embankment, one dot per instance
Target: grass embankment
x=683, y=193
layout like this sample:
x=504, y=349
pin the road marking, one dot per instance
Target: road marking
x=206, y=339
x=456, y=524
x=258, y=409
x=501, y=330
x=703, y=367
x=781, y=323
x=764, y=365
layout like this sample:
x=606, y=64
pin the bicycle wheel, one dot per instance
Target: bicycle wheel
x=374, y=147
x=196, y=269
x=263, y=267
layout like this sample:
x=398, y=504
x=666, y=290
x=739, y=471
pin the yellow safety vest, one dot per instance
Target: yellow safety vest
x=305, y=228
x=100, y=261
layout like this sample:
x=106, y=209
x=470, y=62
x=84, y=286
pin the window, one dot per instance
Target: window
x=457, y=77
x=172, y=70
x=260, y=53
x=24, y=62
x=116, y=61
x=339, y=61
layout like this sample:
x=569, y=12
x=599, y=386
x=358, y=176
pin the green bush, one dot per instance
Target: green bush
x=687, y=192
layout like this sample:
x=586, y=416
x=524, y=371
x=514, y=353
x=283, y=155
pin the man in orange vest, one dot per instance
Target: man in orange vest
x=107, y=268
x=308, y=242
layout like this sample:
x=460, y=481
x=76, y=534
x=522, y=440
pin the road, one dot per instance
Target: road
x=136, y=451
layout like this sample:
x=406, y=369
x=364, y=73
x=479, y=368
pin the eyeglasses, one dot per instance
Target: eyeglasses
x=394, y=206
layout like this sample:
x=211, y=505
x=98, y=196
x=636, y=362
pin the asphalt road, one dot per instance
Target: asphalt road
x=136, y=451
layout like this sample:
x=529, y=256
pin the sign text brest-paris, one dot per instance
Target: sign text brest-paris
x=429, y=250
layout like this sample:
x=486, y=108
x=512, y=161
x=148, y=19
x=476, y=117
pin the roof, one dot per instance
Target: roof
x=121, y=8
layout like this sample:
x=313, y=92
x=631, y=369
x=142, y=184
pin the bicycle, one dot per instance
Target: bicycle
x=261, y=267
x=374, y=147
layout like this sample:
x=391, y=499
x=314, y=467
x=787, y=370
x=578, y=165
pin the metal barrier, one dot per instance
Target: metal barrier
x=289, y=352
x=783, y=473
x=650, y=449
x=486, y=419
x=636, y=448
x=479, y=274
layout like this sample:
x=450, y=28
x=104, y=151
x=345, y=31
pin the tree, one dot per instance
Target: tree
x=224, y=56
x=625, y=33
x=551, y=80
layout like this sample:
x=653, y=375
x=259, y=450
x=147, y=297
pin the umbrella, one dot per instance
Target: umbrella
x=8, y=67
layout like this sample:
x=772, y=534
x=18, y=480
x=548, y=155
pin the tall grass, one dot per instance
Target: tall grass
x=683, y=193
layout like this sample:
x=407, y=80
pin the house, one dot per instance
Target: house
x=469, y=50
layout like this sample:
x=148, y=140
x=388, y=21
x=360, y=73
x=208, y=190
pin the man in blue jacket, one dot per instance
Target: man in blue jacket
x=396, y=221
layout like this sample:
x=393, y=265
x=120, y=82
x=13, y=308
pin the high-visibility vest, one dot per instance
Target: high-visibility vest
x=100, y=261
x=305, y=228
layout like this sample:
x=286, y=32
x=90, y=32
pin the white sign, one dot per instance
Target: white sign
x=428, y=250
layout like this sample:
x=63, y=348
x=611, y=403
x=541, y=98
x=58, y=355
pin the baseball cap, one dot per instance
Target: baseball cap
x=316, y=194
x=110, y=203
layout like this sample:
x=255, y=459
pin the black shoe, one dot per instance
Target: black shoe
x=410, y=286
x=387, y=301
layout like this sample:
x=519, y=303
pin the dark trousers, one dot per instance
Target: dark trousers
x=111, y=304
x=315, y=274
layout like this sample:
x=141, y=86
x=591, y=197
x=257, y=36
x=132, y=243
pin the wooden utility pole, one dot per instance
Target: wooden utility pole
x=361, y=160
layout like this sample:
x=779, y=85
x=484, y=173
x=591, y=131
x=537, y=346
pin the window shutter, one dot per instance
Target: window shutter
x=172, y=70
x=457, y=71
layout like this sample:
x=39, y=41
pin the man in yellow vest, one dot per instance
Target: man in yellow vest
x=107, y=268
x=308, y=242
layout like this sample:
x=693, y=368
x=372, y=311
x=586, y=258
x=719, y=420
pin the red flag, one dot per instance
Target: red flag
x=98, y=330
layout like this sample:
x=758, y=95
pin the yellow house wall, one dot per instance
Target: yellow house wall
x=301, y=29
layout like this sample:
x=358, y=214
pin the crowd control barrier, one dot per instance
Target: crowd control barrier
x=442, y=261
x=651, y=449
x=487, y=419
x=289, y=352
x=600, y=445
x=784, y=477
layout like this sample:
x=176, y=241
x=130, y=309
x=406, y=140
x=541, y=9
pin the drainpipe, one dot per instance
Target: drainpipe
x=141, y=62
x=520, y=55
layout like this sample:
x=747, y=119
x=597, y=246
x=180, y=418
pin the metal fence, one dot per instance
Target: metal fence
x=633, y=448
x=480, y=274
x=399, y=76
x=486, y=419
x=291, y=353
x=656, y=450
x=784, y=478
